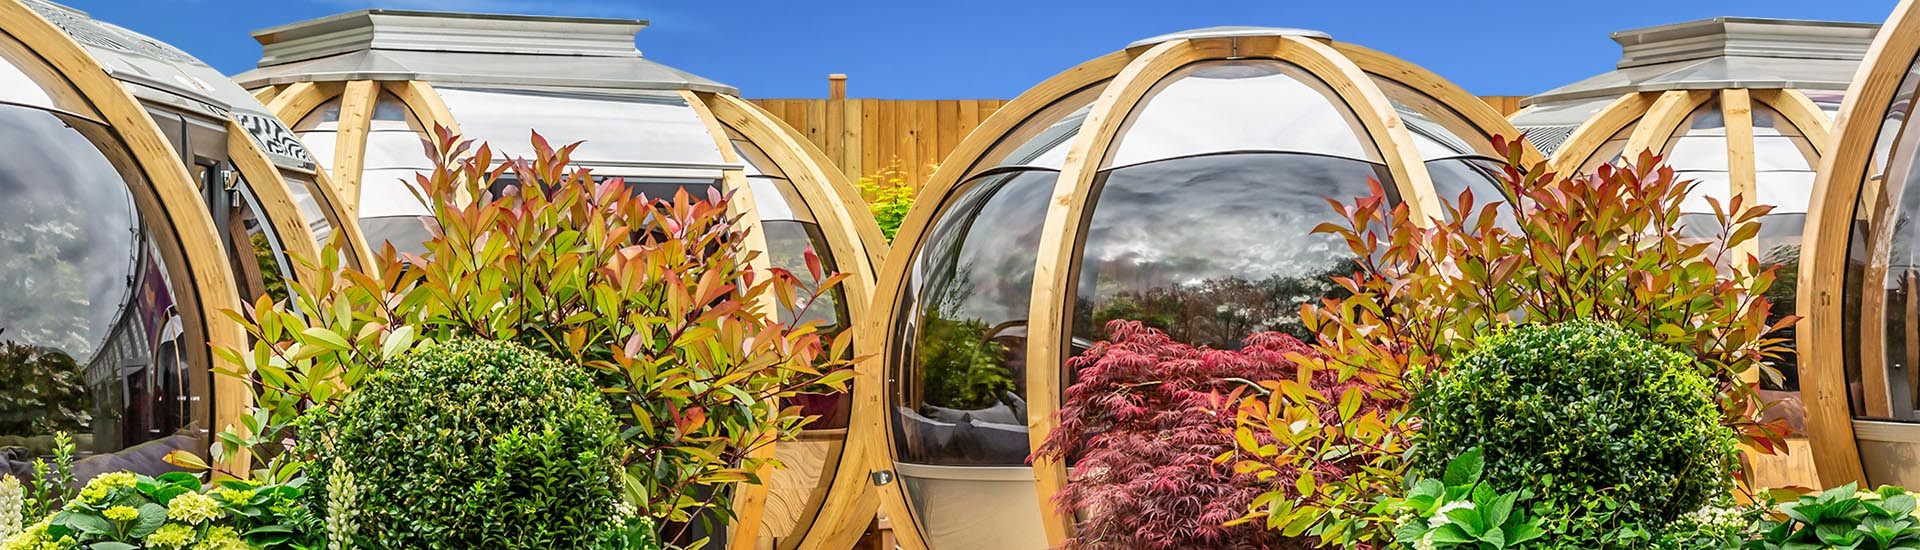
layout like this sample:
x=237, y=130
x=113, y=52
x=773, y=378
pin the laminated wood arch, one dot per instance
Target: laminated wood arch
x=1118, y=84
x=1657, y=121
x=1846, y=254
x=830, y=514
x=186, y=238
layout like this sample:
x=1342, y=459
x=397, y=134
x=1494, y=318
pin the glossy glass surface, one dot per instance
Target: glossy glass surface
x=1041, y=141
x=1214, y=248
x=1239, y=105
x=960, y=346
x=1883, y=313
x=91, y=336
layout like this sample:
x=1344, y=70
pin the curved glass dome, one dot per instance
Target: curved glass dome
x=659, y=129
x=101, y=332
x=1860, y=339
x=1750, y=121
x=1189, y=204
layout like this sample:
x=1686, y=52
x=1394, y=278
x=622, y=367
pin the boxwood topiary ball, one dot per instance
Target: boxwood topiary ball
x=1600, y=410
x=474, y=444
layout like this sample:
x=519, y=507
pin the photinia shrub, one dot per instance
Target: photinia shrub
x=1604, y=246
x=657, y=296
x=1143, y=425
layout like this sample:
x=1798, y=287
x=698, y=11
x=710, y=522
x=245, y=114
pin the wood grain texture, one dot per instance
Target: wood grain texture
x=1059, y=237
x=877, y=338
x=271, y=189
x=1823, y=254
x=1662, y=120
x=1481, y=112
x=749, y=502
x=189, y=242
x=1594, y=133
x=425, y=104
x=350, y=141
x=1736, y=109
x=857, y=246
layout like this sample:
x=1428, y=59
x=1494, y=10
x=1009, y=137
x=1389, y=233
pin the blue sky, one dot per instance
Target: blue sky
x=926, y=49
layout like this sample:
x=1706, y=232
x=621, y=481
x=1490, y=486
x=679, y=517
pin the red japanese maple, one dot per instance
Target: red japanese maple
x=1143, y=427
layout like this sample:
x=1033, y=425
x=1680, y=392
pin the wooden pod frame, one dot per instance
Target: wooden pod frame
x=1130, y=75
x=188, y=241
x=1832, y=221
x=1655, y=118
x=832, y=515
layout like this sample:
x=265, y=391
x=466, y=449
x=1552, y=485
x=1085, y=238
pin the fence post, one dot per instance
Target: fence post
x=837, y=123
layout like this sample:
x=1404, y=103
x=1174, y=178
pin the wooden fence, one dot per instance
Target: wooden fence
x=867, y=136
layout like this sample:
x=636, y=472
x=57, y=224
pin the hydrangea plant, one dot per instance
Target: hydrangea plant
x=126, y=511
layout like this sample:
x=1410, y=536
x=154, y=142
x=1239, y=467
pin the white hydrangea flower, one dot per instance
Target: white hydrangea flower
x=1440, y=516
x=1425, y=542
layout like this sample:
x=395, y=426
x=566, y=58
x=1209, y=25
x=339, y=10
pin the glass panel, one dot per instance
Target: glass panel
x=26, y=80
x=307, y=198
x=634, y=130
x=962, y=350
x=1611, y=151
x=91, y=336
x=1042, y=140
x=1440, y=130
x=1883, y=313
x=758, y=162
x=771, y=196
x=263, y=270
x=1212, y=249
x=1240, y=105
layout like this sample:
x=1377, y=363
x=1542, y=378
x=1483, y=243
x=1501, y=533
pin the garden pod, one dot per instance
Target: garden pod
x=1176, y=182
x=146, y=193
x=1860, y=342
x=363, y=89
x=1742, y=107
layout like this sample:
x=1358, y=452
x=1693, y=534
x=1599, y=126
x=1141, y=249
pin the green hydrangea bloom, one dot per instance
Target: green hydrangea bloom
x=172, y=535
x=35, y=538
x=223, y=538
x=193, y=509
x=121, y=513
x=234, y=496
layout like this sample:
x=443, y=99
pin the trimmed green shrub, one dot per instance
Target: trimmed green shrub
x=1580, y=412
x=474, y=444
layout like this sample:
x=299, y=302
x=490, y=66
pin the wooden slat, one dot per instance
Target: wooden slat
x=187, y=238
x=1829, y=228
x=350, y=142
x=857, y=247
x=750, y=503
x=878, y=338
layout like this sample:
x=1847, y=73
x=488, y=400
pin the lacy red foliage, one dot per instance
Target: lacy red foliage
x=1145, y=423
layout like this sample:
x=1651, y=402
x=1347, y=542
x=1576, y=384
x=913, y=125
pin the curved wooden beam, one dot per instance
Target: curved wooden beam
x=1468, y=106
x=265, y=94
x=750, y=502
x=300, y=98
x=425, y=103
x=878, y=335
x=854, y=237
x=1594, y=133
x=264, y=178
x=1823, y=253
x=1662, y=120
x=1053, y=267
x=350, y=140
x=1375, y=113
x=191, y=243
x=1805, y=116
